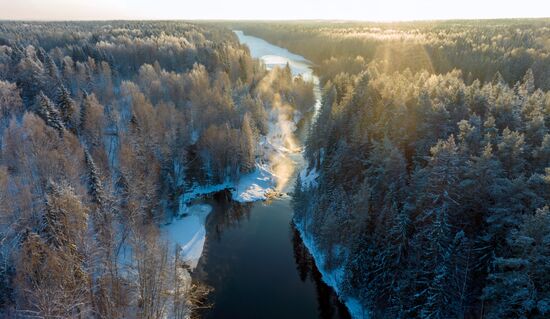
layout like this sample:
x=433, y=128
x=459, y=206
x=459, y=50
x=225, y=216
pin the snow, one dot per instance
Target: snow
x=198, y=191
x=254, y=186
x=273, y=166
x=334, y=277
x=249, y=188
x=188, y=233
x=309, y=177
x=274, y=56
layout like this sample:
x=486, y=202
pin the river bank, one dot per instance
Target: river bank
x=251, y=253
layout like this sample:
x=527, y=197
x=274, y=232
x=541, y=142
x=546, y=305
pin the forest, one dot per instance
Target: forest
x=425, y=191
x=478, y=48
x=429, y=164
x=104, y=126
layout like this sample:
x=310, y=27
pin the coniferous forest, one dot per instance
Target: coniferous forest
x=424, y=190
x=432, y=150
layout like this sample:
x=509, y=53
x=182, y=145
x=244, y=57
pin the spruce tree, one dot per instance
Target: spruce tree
x=518, y=284
x=527, y=86
x=84, y=109
x=49, y=113
x=54, y=219
x=95, y=187
x=437, y=203
x=67, y=108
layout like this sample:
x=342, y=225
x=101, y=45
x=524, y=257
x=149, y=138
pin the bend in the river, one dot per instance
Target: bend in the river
x=254, y=258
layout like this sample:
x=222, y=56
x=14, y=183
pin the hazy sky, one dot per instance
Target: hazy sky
x=376, y=10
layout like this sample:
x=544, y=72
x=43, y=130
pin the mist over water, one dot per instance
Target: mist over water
x=284, y=143
x=282, y=117
x=254, y=258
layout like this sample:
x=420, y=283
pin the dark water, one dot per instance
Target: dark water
x=253, y=258
x=255, y=261
x=259, y=268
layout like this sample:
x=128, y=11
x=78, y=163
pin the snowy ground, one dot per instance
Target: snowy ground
x=274, y=166
x=188, y=233
x=249, y=188
x=309, y=177
x=254, y=186
x=199, y=191
x=272, y=171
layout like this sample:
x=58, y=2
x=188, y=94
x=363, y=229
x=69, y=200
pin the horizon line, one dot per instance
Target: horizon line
x=276, y=20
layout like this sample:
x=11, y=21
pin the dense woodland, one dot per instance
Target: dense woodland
x=103, y=126
x=479, y=49
x=433, y=153
x=432, y=150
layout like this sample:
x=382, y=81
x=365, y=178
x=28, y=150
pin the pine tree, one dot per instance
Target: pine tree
x=498, y=79
x=437, y=202
x=95, y=187
x=447, y=295
x=511, y=149
x=30, y=79
x=64, y=221
x=243, y=71
x=67, y=108
x=101, y=211
x=84, y=110
x=527, y=86
x=49, y=113
x=298, y=201
x=136, y=138
x=518, y=285
x=390, y=282
x=55, y=219
x=51, y=68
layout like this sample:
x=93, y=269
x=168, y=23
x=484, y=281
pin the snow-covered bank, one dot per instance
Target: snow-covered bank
x=188, y=233
x=280, y=143
x=272, y=172
x=309, y=177
x=251, y=187
x=273, y=168
x=254, y=186
x=334, y=278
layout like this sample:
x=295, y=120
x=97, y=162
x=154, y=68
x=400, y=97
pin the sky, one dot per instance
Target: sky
x=378, y=10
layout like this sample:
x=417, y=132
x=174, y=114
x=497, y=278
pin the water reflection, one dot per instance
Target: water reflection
x=258, y=266
x=329, y=304
x=227, y=214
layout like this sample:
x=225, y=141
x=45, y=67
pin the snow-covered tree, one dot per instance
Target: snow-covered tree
x=49, y=113
x=67, y=109
x=518, y=284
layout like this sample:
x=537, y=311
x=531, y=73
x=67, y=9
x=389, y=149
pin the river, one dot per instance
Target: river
x=253, y=258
